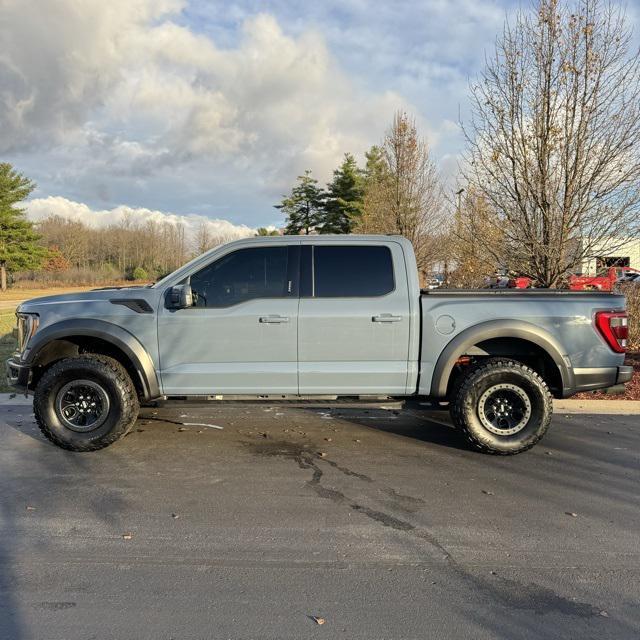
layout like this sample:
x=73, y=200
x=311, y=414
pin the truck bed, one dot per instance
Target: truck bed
x=463, y=321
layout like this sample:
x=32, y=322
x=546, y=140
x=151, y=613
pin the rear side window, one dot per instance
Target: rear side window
x=349, y=271
x=260, y=272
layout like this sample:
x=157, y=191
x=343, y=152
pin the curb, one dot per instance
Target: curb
x=602, y=407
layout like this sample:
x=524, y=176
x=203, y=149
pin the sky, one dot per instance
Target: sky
x=209, y=109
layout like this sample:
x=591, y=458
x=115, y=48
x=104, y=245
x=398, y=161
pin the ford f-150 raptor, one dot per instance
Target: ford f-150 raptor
x=295, y=316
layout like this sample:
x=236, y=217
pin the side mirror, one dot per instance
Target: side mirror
x=180, y=297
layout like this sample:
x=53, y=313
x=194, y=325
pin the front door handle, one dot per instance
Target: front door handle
x=273, y=319
x=386, y=317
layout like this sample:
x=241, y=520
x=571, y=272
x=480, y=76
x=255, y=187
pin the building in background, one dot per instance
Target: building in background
x=626, y=254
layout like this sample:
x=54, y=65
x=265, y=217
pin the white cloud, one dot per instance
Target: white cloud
x=126, y=89
x=41, y=208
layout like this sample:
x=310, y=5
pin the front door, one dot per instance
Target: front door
x=354, y=321
x=241, y=334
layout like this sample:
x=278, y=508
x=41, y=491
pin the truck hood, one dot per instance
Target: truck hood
x=36, y=305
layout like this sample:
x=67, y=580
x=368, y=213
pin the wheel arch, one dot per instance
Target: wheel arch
x=505, y=338
x=62, y=338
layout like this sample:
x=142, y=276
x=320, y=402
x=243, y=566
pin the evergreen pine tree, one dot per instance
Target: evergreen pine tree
x=376, y=169
x=19, y=248
x=343, y=205
x=303, y=206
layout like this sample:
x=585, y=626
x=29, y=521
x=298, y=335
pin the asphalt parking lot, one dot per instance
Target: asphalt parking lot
x=377, y=522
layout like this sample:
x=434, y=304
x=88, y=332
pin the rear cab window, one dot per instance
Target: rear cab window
x=346, y=271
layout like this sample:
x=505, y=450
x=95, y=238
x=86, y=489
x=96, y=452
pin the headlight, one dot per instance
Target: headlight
x=27, y=326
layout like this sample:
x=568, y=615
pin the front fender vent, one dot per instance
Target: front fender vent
x=135, y=304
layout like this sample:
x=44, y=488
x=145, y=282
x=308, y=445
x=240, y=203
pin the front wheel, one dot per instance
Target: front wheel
x=85, y=403
x=502, y=406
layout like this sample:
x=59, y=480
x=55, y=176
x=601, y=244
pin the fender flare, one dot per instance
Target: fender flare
x=109, y=332
x=498, y=329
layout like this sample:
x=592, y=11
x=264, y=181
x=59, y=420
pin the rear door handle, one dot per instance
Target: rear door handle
x=273, y=319
x=386, y=317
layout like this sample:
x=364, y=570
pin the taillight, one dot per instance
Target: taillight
x=614, y=328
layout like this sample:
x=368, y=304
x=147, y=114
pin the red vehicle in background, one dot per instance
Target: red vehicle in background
x=522, y=282
x=604, y=281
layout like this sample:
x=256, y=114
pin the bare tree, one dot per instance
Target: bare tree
x=403, y=194
x=203, y=240
x=554, y=137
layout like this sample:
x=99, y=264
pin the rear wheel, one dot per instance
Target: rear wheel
x=502, y=406
x=85, y=403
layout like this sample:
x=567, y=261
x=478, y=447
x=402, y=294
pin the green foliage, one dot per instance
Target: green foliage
x=139, y=274
x=344, y=201
x=303, y=207
x=262, y=231
x=19, y=247
x=8, y=342
x=376, y=169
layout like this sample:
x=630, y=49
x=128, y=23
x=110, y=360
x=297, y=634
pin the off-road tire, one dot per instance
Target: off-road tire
x=466, y=399
x=114, y=380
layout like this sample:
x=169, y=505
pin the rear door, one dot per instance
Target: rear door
x=353, y=323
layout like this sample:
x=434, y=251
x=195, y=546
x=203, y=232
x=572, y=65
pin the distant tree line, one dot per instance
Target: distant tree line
x=125, y=250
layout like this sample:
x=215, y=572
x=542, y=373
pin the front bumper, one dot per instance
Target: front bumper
x=18, y=374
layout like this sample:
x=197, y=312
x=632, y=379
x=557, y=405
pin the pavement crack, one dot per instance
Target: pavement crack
x=307, y=462
x=348, y=472
x=383, y=518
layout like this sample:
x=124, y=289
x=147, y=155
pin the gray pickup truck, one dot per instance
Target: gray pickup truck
x=286, y=317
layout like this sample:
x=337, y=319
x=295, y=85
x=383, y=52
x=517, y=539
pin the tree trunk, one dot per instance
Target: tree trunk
x=3, y=276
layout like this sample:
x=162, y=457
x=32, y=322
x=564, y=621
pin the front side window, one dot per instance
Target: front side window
x=260, y=272
x=352, y=271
